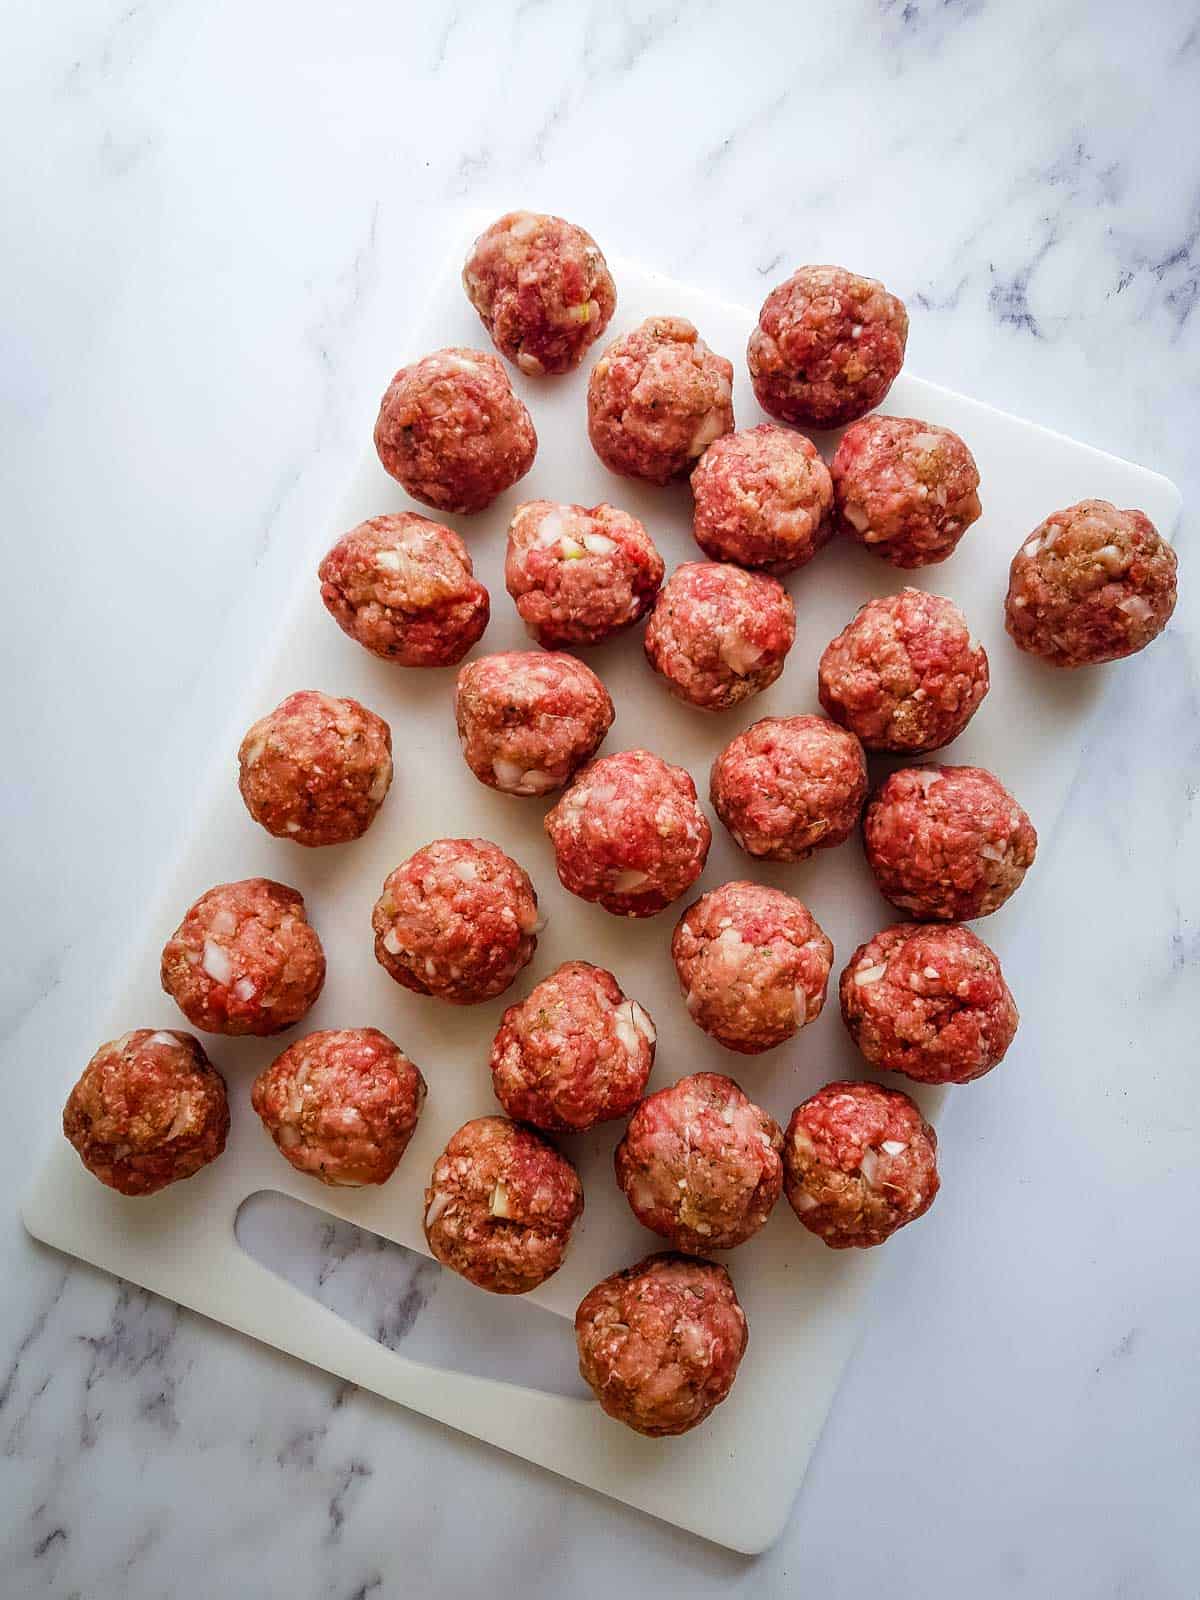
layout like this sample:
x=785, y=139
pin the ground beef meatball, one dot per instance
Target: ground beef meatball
x=930, y=1002
x=149, y=1110
x=629, y=834
x=699, y=1163
x=908, y=490
x=316, y=770
x=500, y=1206
x=341, y=1105
x=790, y=785
x=827, y=347
x=575, y=1052
x=1090, y=584
x=657, y=398
x=579, y=573
x=763, y=498
x=859, y=1161
x=405, y=589
x=458, y=920
x=718, y=634
x=752, y=965
x=904, y=674
x=528, y=721
x=452, y=431
x=660, y=1343
x=543, y=289
x=947, y=843
x=245, y=959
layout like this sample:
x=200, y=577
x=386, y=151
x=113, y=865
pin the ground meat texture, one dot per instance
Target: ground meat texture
x=789, y=786
x=149, y=1110
x=500, y=1206
x=859, y=1161
x=629, y=834
x=827, y=347
x=405, y=589
x=699, y=1163
x=543, y=289
x=527, y=721
x=657, y=398
x=245, y=959
x=763, y=498
x=660, y=1343
x=752, y=964
x=718, y=634
x=316, y=770
x=1090, y=584
x=458, y=920
x=908, y=490
x=575, y=1052
x=904, y=674
x=579, y=574
x=452, y=431
x=341, y=1105
x=947, y=843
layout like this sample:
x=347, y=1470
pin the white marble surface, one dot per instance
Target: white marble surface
x=218, y=219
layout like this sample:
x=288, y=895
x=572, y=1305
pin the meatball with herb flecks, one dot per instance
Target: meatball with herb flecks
x=718, y=634
x=790, y=785
x=908, y=490
x=763, y=498
x=529, y=719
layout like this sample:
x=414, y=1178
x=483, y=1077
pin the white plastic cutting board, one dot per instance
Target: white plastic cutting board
x=732, y=1480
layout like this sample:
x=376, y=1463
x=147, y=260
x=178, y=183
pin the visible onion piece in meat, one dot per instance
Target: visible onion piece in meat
x=869, y=975
x=217, y=962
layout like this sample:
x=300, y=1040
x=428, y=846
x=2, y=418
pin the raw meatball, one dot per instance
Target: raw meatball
x=575, y=1052
x=149, y=1110
x=904, y=674
x=452, y=431
x=528, y=721
x=859, y=1161
x=930, y=1002
x=719, y=635
x=405, y=589
x=245, y=959
x=908, y=490
x=543, y=289
x=316, y=770
x=500, y=1206
x=752, y=964
x=629, y=834
x=660, y=1343
x=458, y=920
x=789, y=786
x=700, y=1164
x=657, y=398
x=578, y=573
x=763, y=498
x=827, y=347
x=1091, y=584
x=947, y=843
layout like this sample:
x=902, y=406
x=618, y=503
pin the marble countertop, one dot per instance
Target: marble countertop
x=218, y=220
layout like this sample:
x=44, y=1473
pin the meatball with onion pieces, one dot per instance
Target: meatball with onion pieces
x=500, y=1206
x=629, y=834
x=700, y=1165
x=763, y=498
x=660, y=1343
x=149, y=1110
x=908, y=490
x=542, y=289
x=245, y=959
x=657, y=398
x=904, y=675
x=316, y=770
x=528, y=720
x=452, y=432
x=457, y=920
x=859, y=1162
x=947, y=844
x=341, y=1105
x=718, y=634
x=1091, y=584
x=790, y=785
